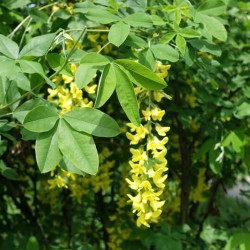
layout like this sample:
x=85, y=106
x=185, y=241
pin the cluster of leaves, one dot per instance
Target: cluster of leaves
x=206, y=43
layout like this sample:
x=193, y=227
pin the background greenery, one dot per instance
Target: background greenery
x=207, y=107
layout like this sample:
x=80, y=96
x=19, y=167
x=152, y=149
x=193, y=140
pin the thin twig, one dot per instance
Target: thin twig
x=104, y=46
x=20, y=44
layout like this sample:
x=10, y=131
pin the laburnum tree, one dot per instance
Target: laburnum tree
x=124, y=124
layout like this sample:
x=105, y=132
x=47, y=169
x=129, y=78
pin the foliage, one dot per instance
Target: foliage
x=128, y=71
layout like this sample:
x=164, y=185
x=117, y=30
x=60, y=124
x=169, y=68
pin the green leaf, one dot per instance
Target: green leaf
x=26, y=107
x=189, y=56
x=139, y=20
x=32, y=67
x=32, y=244
x=147, y=59
x=167, y=38
x=84, y=75
x=118, y=33
x=48, y=154
x=22, y=81
x=39, y=16
x=9, y=92
x=165, y=52
x=126, y=96
x=8, y=47
x=94, y=59
x=205, y=46
x=28, y=135
x=246, y=157
x=181, y=43
x=40, y=119
x=189, y=33
x=92, y=121
x=78, y=147
x=141, y=75
x=8, y=68
x=204, y=148
x=38, y=46
x=243, y=110
x=213, y=26
x=157, y=20
x=56, y=61
x=213, y=7
x=106, y=85
x=135, y=41
x=102, y=16
x=237, y=140
x=177, y=17
x=67, y=165
x=7, y=172
x=239, y=241
x=214, y=164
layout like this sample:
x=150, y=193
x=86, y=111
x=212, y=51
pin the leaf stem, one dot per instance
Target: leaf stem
x=104, y=46
x=6, y=115
x=21, y=41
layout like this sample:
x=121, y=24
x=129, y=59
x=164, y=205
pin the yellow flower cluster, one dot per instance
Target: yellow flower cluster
x=68, y=96
x=197, y=193
x=97, y=40
x=148, y=168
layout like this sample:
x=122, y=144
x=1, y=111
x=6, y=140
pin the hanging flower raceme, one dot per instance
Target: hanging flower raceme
x=67, y=95
x=148, y=166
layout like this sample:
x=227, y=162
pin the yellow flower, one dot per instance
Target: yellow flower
x=141, y=131
x=138, y=90
x=91, y=89
x=67, y=79
x=142, y=221
x=156, y=144
x=132, y=127
x=158, y=95
x=159, y=179
x=93, y=37
x=137, y=168
x=138, y=155
x=56, y=79
x=76, y=93
x=157, y=114
x=161, y=130
x=55, y=8
x=73, y=68
x=52, y=92
x=134, y=139
x=147, y=114
x=162, y=70
x=58, y=181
